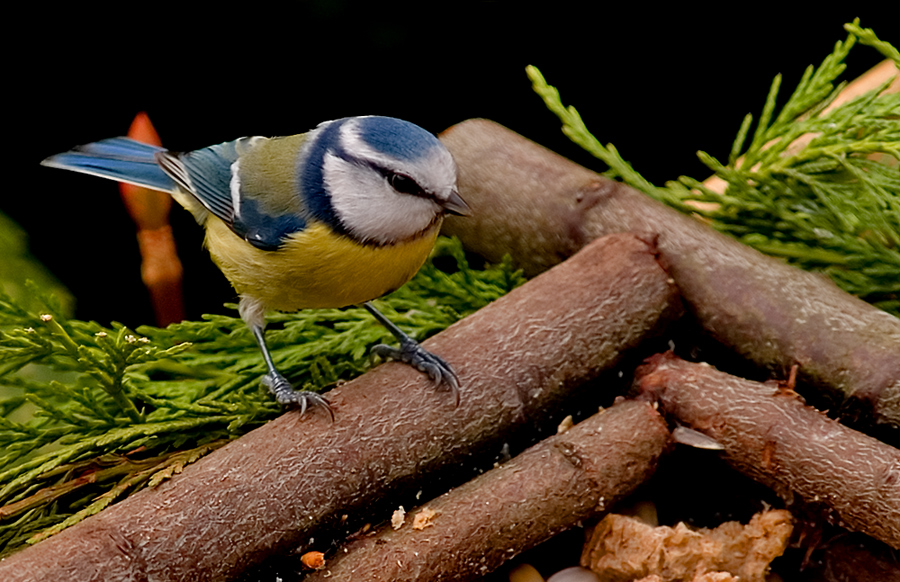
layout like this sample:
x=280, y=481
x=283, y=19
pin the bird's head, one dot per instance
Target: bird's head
x=379, y=179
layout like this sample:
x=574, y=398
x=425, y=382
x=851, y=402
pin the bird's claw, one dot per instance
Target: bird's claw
x=287, y=396
x=432, y=365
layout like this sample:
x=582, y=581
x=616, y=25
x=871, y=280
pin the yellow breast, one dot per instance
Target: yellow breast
x=316, y=268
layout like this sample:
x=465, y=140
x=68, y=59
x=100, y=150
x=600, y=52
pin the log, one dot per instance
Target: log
x=770, y=435
x=290, y=481
x=541, y=208
x=549, y=488
x=855, y=558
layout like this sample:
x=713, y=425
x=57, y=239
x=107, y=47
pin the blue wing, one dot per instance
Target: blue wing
x=214, y=176
x=206, y=174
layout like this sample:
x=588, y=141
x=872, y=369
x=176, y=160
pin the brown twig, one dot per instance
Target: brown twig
x=543, y=491
x=291, y=480
x=540, y=208
x=777, y=440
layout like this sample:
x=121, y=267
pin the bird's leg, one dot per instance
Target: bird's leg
x=410, y=352
x=253, y=315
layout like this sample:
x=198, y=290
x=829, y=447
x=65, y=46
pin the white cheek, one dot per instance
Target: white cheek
x=442, y=172
x=369, y=208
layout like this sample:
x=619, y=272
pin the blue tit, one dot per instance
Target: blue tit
x=334, y=217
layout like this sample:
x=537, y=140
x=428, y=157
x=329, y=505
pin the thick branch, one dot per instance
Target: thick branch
x=291, y=480
x=545, y=490
x=771, y=436
x=856, y=557
x=541, y=208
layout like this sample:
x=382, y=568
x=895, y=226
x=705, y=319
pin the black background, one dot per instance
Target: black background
x=660, y=84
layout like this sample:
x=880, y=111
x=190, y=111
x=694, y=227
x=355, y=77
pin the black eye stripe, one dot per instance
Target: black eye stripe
x=404, y=184
x=398, y=181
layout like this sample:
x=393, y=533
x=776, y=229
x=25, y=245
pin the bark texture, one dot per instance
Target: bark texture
x=291, y=480
x=489, y=520
x=541, y=208
x=771, y=436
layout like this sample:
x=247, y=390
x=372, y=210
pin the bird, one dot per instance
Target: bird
x=337, y=216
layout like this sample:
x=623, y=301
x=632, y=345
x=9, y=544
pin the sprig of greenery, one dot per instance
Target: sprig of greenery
x=818, y=188
x=92, y=413
x=575, y=129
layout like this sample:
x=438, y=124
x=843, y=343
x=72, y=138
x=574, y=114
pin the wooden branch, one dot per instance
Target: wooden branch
x=855, y=557
x=278, y=487
x=544, y=490
x=541, y=208
x=771, y=436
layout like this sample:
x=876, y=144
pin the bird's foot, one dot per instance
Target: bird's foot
x=432, y=365
x=287, y=396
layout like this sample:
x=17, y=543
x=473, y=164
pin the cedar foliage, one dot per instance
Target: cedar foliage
x=832, y=205
x=92, y=413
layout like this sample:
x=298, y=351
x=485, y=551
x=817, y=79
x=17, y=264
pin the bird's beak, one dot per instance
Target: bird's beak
x=454, y=204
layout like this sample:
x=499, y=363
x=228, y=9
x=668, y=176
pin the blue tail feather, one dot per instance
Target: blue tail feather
x=119, y=158
x=122, y=147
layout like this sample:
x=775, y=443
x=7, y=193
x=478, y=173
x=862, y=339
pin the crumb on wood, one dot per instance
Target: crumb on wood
x=565, y=425
x=624, y=548
x=398, y=517
x=313, y=560
x=424, y=518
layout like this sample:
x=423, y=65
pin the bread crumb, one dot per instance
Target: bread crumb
x=313, y=560
x=624, y=548
x=565, y=425
x=423, y=518
x=398, y=517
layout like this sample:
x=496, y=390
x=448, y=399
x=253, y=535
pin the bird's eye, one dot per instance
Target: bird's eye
x=404, y=184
